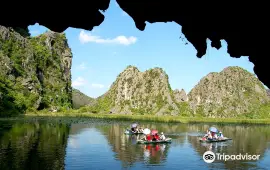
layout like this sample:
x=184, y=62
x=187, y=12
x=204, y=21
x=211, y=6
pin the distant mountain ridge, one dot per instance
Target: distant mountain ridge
x=79, y=99
x=230, y=93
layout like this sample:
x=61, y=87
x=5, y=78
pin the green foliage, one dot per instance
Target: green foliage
x=15, y=51
x=159, y=101
x=41, y=53
x=152, y=118
x=200, y=111
x=138, y=111
x=103, y=104
x=263, y=112
x=170, y=108
x=9, y=103
x=184, y=109
x=22, y=87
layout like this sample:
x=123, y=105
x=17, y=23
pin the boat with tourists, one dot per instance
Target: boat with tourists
x=167, y=140
x=152, y=137
x=213, y=135
x=214, y=140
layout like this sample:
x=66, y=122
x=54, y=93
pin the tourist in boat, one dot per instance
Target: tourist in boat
x=162, y=136
x=215, y=137
x=209, y=137
x=207, y=134
x=154, y=138
x=133, y=129
x=157, y=136
x=220, y=135
x=140, y=130
x=147, y=137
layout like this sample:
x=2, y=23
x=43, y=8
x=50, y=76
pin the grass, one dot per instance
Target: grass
x=151, y=118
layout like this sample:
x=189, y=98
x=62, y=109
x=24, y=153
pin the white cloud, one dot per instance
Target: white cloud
x=79, y=82
x=122, y=40
x=100, y=86
x=82, y=66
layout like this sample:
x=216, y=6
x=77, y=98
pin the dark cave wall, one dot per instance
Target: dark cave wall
x=242, y=24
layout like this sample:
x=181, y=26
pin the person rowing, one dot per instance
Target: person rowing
x=140, y=130
x=220, y=135
x=162, y=136
x=134, y=128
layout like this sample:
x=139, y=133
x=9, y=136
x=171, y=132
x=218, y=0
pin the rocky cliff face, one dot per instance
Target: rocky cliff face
x=180, y=96
x=268, y=92
x=34, y=72
x=79, y=99
x=138, y=92
x=229, y=93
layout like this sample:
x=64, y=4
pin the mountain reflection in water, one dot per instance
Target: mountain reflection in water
x=97, y=145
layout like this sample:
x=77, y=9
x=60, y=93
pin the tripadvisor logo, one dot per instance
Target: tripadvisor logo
x=210, y=157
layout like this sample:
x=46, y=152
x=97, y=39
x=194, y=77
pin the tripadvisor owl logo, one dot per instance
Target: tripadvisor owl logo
x=209, y=157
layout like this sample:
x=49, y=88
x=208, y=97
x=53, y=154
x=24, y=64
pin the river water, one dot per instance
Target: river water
x=95, y=144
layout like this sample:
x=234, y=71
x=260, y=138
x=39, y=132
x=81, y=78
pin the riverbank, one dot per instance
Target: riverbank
x=165, y=119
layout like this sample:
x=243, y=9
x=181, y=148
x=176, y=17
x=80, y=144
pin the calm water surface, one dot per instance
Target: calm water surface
x=93, y=144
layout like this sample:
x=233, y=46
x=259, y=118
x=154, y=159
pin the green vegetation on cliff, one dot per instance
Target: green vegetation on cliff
x=79, y=99
x=35, y=75
x=143, y=93
x=234, y=92
x=231, y=93
x=34, y=72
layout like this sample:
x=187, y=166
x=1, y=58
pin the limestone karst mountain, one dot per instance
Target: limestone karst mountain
x=138, y=92
x=229, y=93
x=268, y=92
x=34, y=72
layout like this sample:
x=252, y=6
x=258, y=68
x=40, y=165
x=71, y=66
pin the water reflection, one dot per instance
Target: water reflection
x=32, y=145
x=128, y=151
x=253, y=140
x=95, y=145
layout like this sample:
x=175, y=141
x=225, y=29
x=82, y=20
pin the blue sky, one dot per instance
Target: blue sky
x=101, y=54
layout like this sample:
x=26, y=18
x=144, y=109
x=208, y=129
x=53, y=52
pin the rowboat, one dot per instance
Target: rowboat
x=167, y=140
x=215, y=140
